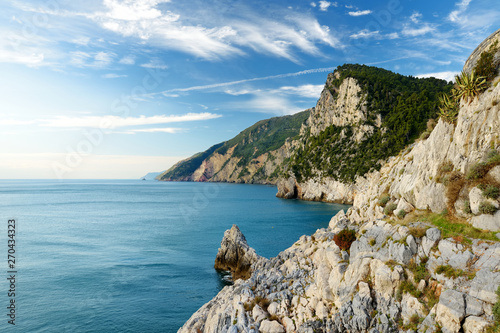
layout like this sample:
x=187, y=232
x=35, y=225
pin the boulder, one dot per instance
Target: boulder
x=487, y=222
x=495, y=173
x=474, y=324
x=235, y=255
x=268, y=326
x=475, y=198
x=450, y=310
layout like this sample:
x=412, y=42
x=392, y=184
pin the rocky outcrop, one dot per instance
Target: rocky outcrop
x=314, y=286
x=235, y=255
x=396, y=276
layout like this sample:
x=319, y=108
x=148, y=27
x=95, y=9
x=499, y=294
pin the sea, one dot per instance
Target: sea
x=129, y=255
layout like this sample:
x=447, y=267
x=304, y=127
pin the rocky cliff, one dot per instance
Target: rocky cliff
x=425, y=257
x=364, y=116
x=256, y=155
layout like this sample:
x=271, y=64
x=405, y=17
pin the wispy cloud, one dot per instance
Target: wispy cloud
x=413, y=32
x=113, y=76
x=365, y=34
x=231, y=83
x=305, y=90
x=448, y=76
x=360, y=12
x=155, y=64
x=95, y=59
x=116, y=122
x=461, y=8
x=171, y=130
x=127, y=60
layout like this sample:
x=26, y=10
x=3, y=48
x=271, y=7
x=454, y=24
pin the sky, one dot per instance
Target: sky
x=119, y=88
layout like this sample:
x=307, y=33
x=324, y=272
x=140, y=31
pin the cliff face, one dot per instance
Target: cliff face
x=364, y=116
x=256, y=155
x=408, y=269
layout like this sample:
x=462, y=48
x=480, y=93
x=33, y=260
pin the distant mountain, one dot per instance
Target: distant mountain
x=152, y=175
x=256, y=155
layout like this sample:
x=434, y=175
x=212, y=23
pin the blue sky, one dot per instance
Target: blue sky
x=118, y=88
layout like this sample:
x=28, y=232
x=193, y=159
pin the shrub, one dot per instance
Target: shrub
x=477, y=171
x=384, y=199
x=390, y=208
x=419, y=271
x=417, y=232
x=401, y=214
x=491, y=192
x=469, y=86
x=454, y=185
x=467, y=207
x=486, y=65
x=448, y=108
x=373, y=241
x=453, y=273
x=487, y=208
x=345, y=238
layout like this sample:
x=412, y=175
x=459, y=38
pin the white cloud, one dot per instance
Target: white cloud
x=448, y=76
x=323, y=5
x=238, y=92
x=94, y=60
x=313, y=4
x=413, y=32
x=155, y=64
x=127, y=60
x=360, y=12
x=306, y=90
x=268, y=103
x=115, y=121
x=81, y=41
x=365, y=34
x=113, y=76
x=415, y=17
x=393, y=35
x=462, y=7
x=171, y=130
x=133, y=10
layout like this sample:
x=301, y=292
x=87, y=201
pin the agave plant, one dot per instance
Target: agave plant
x=468, y=86
x=448, y=110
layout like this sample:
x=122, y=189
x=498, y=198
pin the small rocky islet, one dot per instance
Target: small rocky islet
x=425, y=256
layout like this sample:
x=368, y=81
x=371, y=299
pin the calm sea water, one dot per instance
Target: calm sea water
x=132, y=256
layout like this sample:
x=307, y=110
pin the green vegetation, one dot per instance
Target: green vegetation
x=469, y=86
x=454, y=273
x=491, y=191
x=405, y=105
x=390, y=208
x=187, y=167
x=419, y=271
x=384, y=199
x=453, y=227
x=264, y=136
x=401, y=214
x=495, y=328
x=345, y=238
x=487, y=208
x=486, y=66
x=448, y=109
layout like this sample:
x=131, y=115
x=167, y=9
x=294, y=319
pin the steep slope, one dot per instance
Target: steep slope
x=413, y=271
x=364, y=116
x=256, y=155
